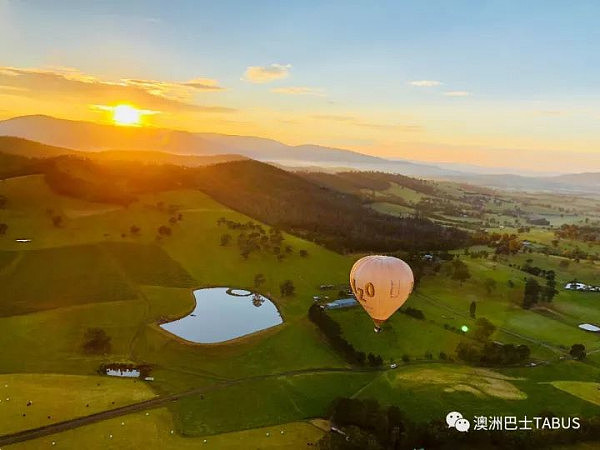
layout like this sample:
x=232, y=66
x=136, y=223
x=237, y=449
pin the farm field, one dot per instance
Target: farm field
x=34, y=400
x=95, y=271
x=154, y=431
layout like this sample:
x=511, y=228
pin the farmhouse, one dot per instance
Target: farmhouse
x=577, y=286
x=341, y=303
x=133, y=373
x=589, y=327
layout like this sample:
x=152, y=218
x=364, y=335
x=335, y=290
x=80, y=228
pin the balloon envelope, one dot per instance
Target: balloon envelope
x=381, y=284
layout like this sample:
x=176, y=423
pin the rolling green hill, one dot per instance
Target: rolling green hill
x=107, y=266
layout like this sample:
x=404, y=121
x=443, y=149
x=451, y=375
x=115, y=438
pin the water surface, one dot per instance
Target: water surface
x=220, y=316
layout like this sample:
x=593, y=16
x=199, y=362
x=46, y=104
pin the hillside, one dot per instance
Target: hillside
x=24, y=148
x=335, y=219
x=31, y=149
x=92, y=137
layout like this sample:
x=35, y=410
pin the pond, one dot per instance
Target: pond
x=222, y=314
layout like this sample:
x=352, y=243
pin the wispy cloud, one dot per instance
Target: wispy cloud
x=425, y=83
x=204, y=84
x=61, y=84
x=333, y=117
x=457, y=93
x=299, y=90
x=358, y=122
x=266, y=74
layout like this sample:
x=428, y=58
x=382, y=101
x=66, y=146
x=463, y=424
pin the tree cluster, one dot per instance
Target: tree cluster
x=413, y=312
x=585, y=233
x=504, y=244
x=253, y=237
x=578, y=351
x=96, y=342
x=368, y=426
x=460, y=271
x=534, y=292
x=333, y=332
x=334, y=219
x=492, y=353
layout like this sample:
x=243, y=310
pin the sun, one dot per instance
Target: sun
x=127, y=115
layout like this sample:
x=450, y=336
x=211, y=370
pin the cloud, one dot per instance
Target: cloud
x=266, y=74
x=457, y=94
x=298, y=90
x=425, y=83
x=356, y=122
x=333, y=117
x=67, y=84
x=204, y=84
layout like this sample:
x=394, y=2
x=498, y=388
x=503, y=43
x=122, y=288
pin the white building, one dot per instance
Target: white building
x=133, y=373
x=576, y=286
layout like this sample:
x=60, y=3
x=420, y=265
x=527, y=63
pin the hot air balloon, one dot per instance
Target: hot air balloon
x=381, y=285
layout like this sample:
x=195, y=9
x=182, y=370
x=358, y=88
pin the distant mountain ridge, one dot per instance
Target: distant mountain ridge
x=92, y=137
x=68, y=135
x=27, y=149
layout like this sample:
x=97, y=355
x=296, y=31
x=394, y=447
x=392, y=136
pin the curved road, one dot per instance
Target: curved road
x=156, y=402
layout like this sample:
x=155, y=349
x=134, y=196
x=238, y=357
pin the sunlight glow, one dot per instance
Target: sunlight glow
x=124, y=114
x=127, y=115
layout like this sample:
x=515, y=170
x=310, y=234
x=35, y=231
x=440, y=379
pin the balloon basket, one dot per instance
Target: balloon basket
x=377, y=330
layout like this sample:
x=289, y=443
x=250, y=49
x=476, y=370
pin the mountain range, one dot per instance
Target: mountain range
x=62, y=136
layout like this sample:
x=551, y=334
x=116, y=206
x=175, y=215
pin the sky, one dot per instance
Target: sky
x=493, y=83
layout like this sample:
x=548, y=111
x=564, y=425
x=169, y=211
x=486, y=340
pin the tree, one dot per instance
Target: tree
x=578, y=351
x=259, y=280
x=483, y=329
x=460, y=271
x=472, y=309
x=96, y=342
x=287, y=288
x=3, y=229
x=57, y=220
x=164, y=230
x=303, y=253
x=225, y=239
x=532, y=293
x=135, y=230
x=490, y=285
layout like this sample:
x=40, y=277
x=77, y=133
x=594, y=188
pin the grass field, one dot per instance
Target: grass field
x=392, y=209
x=93, y=272
x=431, y=391
x=588, y=391
x=265, y=402
x=154, y=431
x=149, y=264
x=58, y=277
x=55, y=398
x=402, y=335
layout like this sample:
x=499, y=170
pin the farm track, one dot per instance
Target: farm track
x=34, y=433
x=163, y=400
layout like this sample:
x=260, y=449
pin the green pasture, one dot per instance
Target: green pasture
x=55, y=398
x=154, y=430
